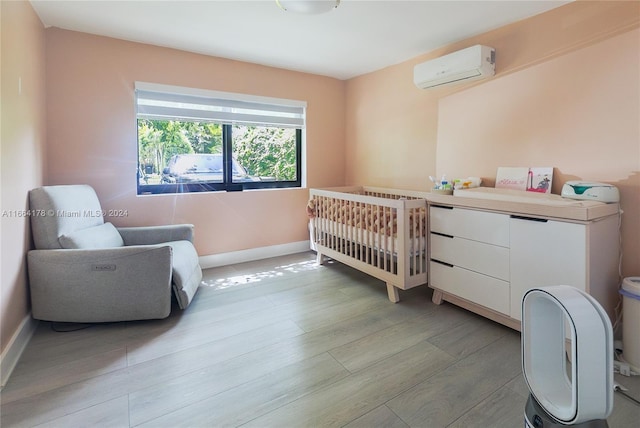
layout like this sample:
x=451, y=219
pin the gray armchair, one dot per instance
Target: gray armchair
x=86, y=270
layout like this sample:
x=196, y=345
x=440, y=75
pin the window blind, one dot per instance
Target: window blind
x=164, y=102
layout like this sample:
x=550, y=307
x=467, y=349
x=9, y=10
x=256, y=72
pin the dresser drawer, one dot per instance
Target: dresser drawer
x=481, y=226
x=477, y=256
x=482, y=289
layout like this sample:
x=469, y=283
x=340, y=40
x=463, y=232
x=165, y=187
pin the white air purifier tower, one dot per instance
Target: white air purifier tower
x=560, y=322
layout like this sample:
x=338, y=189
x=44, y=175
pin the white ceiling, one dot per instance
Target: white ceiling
x=356, y=38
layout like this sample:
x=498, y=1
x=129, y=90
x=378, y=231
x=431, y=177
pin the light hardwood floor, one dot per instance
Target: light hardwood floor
x=280, y=343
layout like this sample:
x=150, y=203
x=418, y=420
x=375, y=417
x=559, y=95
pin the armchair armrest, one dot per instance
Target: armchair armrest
x=124, y=283
x=150, y=235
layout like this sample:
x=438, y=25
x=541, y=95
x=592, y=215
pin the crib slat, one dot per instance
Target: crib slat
x=423, y=232
x=417, y=218
x=358, y=231
x=385, y=244
x=368, y=231
x=392, y=220
x=351, y=230
x=416, y=243
x=378, y=220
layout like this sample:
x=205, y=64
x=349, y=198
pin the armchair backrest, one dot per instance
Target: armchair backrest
x=61, y=210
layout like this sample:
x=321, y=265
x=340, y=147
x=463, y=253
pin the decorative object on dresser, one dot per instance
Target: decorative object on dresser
x=85, y=270
x=535, y=179
x=382, y=232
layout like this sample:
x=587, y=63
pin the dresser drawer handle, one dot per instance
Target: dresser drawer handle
x=520, y=217
x=442, y=263
x=442, y=234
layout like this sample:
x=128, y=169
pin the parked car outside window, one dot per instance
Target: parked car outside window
x=202, y=167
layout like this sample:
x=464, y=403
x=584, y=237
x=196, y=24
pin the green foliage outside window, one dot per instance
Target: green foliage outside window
x=266, y=152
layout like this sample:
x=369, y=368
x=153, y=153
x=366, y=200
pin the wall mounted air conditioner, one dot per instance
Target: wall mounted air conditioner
x=473, y=63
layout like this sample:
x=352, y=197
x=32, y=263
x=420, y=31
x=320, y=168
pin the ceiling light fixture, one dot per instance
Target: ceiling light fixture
x=308, y=7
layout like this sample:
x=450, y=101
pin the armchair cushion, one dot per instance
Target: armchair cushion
x=61, y=210
x=103, y=236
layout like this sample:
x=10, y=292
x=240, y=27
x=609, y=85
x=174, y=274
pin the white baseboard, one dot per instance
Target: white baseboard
x=17, y=344
x=216, y=260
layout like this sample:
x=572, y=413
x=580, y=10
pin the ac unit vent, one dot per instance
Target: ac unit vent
x=473, y=63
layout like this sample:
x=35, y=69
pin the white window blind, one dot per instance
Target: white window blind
x=164, y=102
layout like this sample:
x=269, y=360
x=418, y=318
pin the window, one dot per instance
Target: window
x=192, y=140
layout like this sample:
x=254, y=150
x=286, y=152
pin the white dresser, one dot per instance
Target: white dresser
x=486, y=252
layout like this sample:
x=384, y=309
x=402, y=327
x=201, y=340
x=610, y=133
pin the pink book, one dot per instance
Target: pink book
x=512, y=178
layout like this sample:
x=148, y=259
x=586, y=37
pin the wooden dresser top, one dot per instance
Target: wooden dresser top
x=525, y=203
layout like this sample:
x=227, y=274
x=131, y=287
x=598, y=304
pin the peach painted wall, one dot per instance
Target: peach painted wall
x=579, y=113
x=92, y=136
x=392, y=127
x=22, y=153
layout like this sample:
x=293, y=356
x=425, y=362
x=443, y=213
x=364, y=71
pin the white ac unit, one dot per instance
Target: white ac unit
x=473, y=63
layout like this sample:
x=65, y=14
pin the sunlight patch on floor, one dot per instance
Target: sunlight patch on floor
x=276, y=272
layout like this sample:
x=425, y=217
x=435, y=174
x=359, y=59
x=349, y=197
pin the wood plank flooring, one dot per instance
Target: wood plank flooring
x=281, y=342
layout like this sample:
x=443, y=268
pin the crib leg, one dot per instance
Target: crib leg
x=320, y=259
x=392, y=292
x=437, y=297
